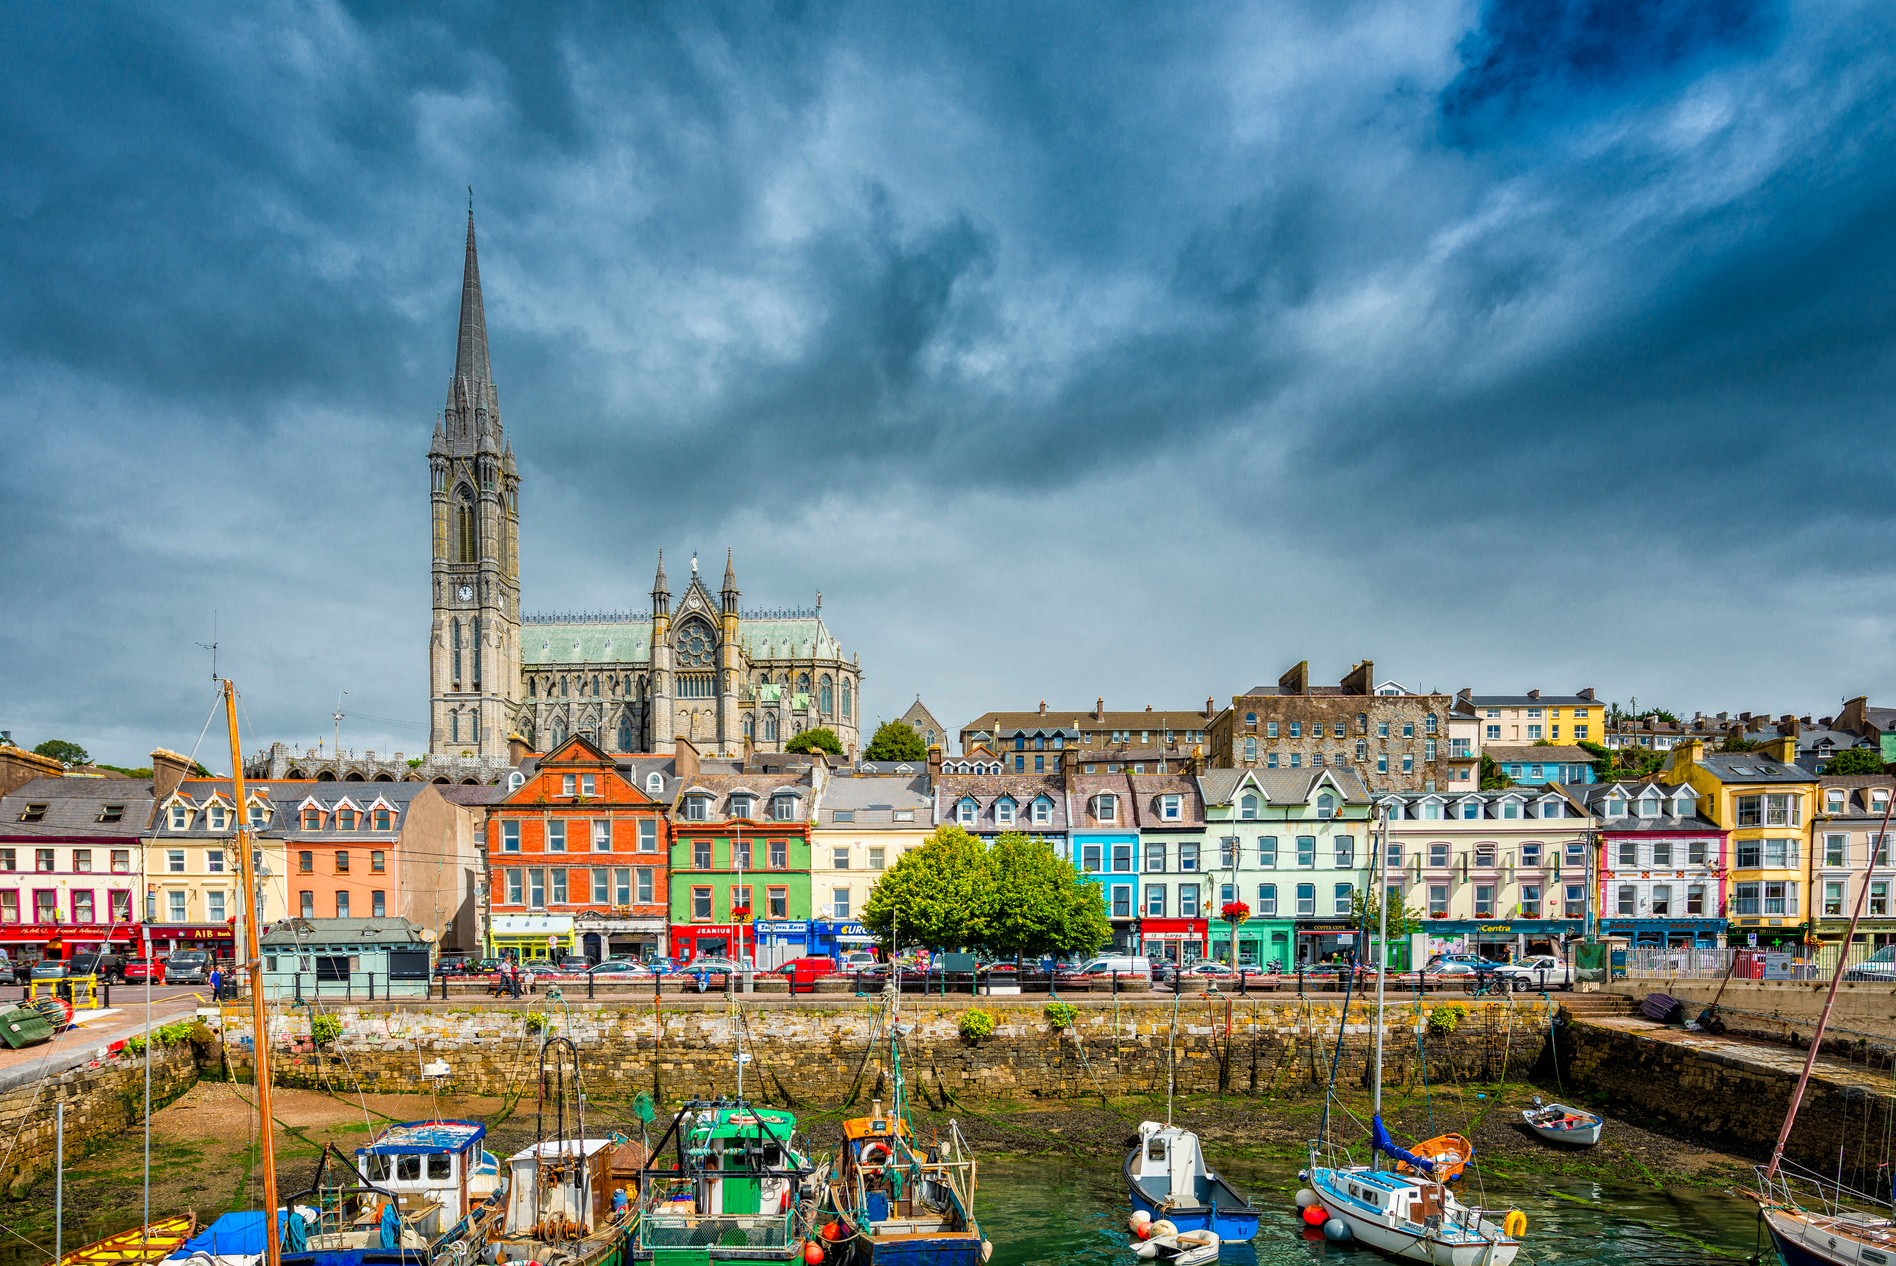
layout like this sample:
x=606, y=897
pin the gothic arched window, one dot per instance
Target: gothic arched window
x=454, y=727
x=770, y=728
x=826, y=700
x=455, y=625
x=559, y=731
x=803, y=683
x=625, y=734
x=466, y=527
x=750, y=726
x=475, y=643
x=931, y=733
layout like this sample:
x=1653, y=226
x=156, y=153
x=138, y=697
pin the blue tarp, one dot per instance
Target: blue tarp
x=391, y=1227
x=1379, y=1140
x=232, y=1235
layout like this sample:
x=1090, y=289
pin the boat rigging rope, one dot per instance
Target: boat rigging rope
x=1343, y=1024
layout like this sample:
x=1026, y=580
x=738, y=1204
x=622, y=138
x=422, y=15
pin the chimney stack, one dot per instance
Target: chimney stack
x=1534, y=693
x=685, y=758
x=1043, y=707
x=517, y=750
x=168, y=769
x=1099, y=708
x=18, y=767
x=934, y=761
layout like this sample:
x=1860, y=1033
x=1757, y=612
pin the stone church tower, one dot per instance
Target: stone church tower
x=474, y=647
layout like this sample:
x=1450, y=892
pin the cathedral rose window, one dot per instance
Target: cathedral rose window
x=694, y=648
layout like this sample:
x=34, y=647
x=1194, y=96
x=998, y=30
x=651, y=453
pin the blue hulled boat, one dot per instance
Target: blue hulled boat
x=1167, y=1177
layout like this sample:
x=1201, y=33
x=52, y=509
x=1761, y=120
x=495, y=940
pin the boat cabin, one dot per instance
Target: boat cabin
x=728, y=1147
x=439, y=1163
x=897, y=1189
x=560, y=1190
x=1171, y=1165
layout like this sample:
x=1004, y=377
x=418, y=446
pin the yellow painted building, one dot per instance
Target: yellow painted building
x=862, y=824
x=1767, y=804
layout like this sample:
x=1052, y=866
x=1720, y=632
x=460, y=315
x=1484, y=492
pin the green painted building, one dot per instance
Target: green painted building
x=740, y=867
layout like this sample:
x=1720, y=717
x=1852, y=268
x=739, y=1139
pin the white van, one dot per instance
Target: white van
x=1125, y=965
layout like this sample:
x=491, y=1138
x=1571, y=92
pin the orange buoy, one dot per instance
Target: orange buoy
x=812, y=1252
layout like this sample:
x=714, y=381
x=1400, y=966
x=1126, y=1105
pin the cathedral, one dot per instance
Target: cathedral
x=699, y=668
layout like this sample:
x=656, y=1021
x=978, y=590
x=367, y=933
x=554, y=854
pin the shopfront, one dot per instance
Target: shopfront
x=63, y=940
x=525, y=938
x=837, y=937
x=1261, y=942
x=1325, y=941
x=1171, y=940
x=1501, y=942
x=1673, y=933
x=777, y=941
x=714, y=940
x=1791, y=939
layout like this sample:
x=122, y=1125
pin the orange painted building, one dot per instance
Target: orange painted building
x=577, y=862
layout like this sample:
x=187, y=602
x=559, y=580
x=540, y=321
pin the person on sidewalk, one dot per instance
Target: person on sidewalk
x=217, y=984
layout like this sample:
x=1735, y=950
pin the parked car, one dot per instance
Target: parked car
x=620, y=967
x=100, y=963
x=804, y=972
x=188, y=967
x=1448, y=964
x=485, y=967
x=145, y=968
x=1880, y=966
x=713, y=963
x=1125, y=965
x=23, y=969
x=1542, y=971
x=542, y=967
x=856, y=960
x=575, y=962
x=451, y=965
x=48, y=969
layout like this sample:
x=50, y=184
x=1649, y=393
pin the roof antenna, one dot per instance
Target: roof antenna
x=212, y=646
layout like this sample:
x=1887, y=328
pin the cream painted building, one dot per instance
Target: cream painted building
x=863, y=823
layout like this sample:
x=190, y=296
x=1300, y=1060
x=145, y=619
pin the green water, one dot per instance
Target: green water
x=1047, y=1211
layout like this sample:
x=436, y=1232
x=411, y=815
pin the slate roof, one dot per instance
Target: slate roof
x=1086, y=788
x=1282, y=786
x=1530, y=701
x=1589, y=796
x=1537, y=755
x=1883, y=719
x=1072, y=720
x=986, y=789
x=550, y=646
x=1147, y=788
x=1752, y=767
x=874, y=800
x=889, y=767
x=1857, y=803
x=760, y=785
x=73, y=806
x=457, y=794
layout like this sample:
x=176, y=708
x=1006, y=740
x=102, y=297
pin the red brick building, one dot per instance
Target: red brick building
x=577, y=861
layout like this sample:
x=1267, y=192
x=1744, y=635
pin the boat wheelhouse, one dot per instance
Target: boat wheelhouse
x=1168, y=1178
x=903, y=1206
x=737, y=1183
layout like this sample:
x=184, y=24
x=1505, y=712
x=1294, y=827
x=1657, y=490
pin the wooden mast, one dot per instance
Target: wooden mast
x=253, y=968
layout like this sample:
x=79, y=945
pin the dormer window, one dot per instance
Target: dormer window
x=1471, y=810
x=1326, y=805
x=1615, y=807
x=654, y=784
x=967, y=811
x=742, y=807
x=1648, y=807
x=1833, y=800
x=312, y=820
x=1879, y=800
x=783, y=808
x=1043, y=812
x=180, y=817
x=697, y=808
x=1510, y=808
x=1106, y=808
x=1431, y=810
x=1004, y=812
x=345, y=819
x=258, y=815
x=1684, y=807
x=214, y=817
x=1247, y=805
x=1171, y=808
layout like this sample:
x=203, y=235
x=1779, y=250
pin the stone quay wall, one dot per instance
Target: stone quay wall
x=103, y=1098
x=828, y=1054
x=1734, y=1095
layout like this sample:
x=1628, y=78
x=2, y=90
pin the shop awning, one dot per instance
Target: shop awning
x=531, y=927
x=851, y=939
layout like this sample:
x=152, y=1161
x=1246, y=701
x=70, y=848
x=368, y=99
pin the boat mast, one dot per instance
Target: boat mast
x=1379, y=864
x=253, y=967
x=1823, y=1017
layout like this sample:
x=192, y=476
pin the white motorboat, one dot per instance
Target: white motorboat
x=1557, y=1123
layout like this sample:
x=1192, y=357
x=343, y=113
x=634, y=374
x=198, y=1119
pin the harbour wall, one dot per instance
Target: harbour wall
x=830, y=1054
x=103, y=1098
x=1780, y=1008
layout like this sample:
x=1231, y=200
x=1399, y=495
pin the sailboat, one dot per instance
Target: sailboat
x=1409, y=1213
x=1812, y=1220
x=1174, y=1193
x=894, y=1203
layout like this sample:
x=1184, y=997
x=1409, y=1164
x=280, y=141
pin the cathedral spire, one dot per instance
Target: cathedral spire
x=661, y=591
x=470, y=353
x=730, y=585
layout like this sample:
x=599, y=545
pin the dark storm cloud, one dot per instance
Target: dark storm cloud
x=952, y=309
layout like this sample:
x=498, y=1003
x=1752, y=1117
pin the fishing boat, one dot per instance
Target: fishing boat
x=1168, y=1180
x=1814, y=1220
x=1408, y=1213
x=1170, y=1185
x=140, y=1246
x=1557, y=1123
x=897, y=1205
x=737, y=1184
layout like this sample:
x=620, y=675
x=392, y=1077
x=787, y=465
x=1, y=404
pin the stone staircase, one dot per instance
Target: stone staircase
x=1597, y=1006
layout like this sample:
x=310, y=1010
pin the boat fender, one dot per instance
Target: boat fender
x=987, y=1250
x=1146, y=1251
x=1515, y=1224
x=1305, y=1197
x=1315, y=1215
x=1336, y=1230
x=1164, y=1226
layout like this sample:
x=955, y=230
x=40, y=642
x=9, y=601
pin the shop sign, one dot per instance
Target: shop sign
x=782, y=926
x=1503, y=928
x=214, y=932
x=67, y=932
x=1318, y=929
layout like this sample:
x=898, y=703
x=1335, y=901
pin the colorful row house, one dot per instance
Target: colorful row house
x=865, y=823
x=1765, y=805
x=578, y=854
x=740, y=861
x=1498, y=873
x=1662, y=867
x=1851, y=862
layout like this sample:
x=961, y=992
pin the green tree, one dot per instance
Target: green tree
x=1854, y=760
x=1041, y=904
x=896, y=740
x=818, y=740
x=61, y=750
x=940, y=894
x=1733, y=743
x=1492, y=779
x=1366, y=909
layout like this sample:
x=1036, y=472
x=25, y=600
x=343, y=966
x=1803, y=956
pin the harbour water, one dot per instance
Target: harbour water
x=1050, y=1211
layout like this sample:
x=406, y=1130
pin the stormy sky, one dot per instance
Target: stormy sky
x=1069, y=350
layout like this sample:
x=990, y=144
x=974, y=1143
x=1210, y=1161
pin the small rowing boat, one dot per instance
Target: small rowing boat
x=140, y=1245
x=1447, y=1154
x=1558, y=1123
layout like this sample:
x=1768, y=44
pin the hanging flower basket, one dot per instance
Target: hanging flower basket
x=1234, y=912
x=740, y=914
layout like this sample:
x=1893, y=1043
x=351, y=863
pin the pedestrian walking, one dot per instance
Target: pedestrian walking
x=217, y=984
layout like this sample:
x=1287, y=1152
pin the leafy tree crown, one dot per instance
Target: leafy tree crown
x=896, y=740
x=819, y=740
x=1854, y=760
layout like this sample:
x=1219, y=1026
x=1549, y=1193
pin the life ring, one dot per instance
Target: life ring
x=1515, y=1224
x=874, y=1155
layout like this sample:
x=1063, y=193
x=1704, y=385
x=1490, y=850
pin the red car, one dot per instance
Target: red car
x=802, y=972
x=152, y=969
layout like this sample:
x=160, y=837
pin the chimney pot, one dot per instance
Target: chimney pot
x=1043, y=707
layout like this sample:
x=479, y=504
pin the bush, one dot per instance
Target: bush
x=976, y=1025
x=324, y=1029
x=535, y=1022
x=1444, y=1020
x=1060, y=1015
x=818, y=740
